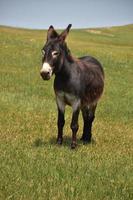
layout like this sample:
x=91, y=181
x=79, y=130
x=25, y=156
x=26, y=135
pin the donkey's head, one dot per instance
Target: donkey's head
x=53, y=52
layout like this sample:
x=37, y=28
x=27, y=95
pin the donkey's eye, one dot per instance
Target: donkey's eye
x=55, y=54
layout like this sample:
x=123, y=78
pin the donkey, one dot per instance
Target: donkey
x=78, y=83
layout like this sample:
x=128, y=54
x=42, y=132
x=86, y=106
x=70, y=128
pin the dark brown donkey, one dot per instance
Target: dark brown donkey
x=78, y=83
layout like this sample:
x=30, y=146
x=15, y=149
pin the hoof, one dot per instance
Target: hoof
x=73, y=145
x=59, y=141
x=85, y=142
x=86, y=139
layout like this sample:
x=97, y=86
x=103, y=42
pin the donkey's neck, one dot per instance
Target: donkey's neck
x=65, y=70
x=63, y=76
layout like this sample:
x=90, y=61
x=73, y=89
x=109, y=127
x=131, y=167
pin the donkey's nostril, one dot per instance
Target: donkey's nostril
x=45, y=75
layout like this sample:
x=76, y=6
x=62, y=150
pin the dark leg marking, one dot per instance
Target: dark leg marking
x=60, y=123
x=88, y=118
x=74, y=127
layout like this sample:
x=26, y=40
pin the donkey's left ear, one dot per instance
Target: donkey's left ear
x=51, y=34
x=64, y=34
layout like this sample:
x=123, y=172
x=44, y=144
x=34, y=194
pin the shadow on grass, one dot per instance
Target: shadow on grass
x=67, y=142
x=39, y=142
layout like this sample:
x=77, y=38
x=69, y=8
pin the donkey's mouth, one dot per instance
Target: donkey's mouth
x=45, y=76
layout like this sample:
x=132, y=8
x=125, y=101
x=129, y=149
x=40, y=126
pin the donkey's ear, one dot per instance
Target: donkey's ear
x=64, y=34
x=52, y=34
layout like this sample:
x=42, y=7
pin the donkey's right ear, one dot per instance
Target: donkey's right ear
x=64, y=34
x=51, y=34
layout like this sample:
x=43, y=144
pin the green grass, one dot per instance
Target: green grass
x=32, y=166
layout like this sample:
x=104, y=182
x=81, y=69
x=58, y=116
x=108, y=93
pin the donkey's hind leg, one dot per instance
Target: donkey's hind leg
x=88, y=118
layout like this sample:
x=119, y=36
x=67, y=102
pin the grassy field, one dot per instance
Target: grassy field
x=32, y=166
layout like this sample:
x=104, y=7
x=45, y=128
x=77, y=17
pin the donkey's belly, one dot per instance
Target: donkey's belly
x=64, y=98
x=67, y=98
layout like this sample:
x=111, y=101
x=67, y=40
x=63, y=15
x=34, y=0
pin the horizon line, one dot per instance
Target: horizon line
x=28, y=28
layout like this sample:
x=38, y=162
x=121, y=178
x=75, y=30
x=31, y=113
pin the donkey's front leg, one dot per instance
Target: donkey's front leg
x=74, y=127
x=60, y=124
x=61, y=121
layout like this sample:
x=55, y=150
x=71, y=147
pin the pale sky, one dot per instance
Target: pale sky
x=40, y=14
